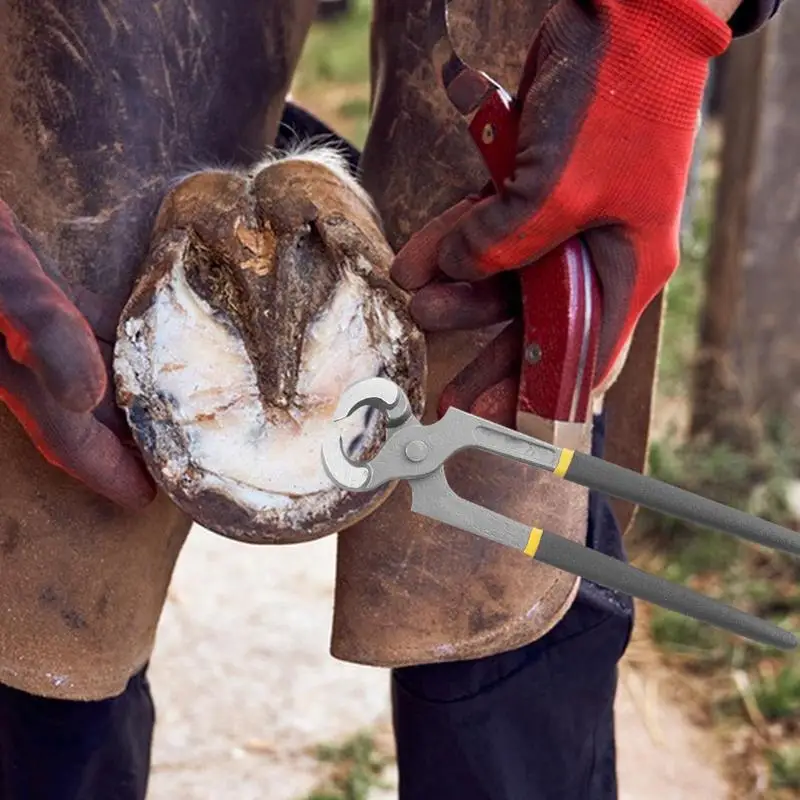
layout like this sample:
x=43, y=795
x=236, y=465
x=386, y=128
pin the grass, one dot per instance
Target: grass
x=685, y=293
x=337, y=52
x=356, y=765
x=778, y=698
x=752, y=693
x=785, y=767
x=332, y=78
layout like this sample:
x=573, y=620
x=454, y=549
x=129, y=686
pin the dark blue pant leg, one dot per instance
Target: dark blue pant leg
x=532, y=724
x=66, y=750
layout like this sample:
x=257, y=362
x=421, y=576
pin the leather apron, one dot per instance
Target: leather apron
x=101, y=104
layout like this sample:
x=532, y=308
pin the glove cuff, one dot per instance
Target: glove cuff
x=649, y=56
x=687, y=28
x=656, y=62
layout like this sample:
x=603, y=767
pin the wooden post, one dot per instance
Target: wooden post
x=749, y=350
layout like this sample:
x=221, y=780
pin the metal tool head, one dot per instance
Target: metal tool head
x=380, y=393
x=437, y=20
x=466, y=87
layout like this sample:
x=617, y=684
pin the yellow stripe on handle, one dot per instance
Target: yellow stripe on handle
x=564, y=460
x=533, y=542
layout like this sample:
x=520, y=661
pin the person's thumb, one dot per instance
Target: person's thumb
x=417, y=262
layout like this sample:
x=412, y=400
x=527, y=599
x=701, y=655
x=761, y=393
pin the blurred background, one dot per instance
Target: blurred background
x=701, y=715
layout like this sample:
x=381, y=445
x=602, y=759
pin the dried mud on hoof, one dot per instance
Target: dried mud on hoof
x=263, y=296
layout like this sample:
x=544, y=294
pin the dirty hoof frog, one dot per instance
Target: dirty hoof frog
x=264, y=294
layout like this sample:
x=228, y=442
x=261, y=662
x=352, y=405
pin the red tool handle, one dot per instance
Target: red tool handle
x=560, y=295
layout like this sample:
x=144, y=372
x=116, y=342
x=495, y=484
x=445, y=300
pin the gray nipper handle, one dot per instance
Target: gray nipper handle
x=607, y=571
x=603, y=476
x=434, y=497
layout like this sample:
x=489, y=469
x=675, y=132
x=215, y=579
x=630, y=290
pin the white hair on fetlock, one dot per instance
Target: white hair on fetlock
x=202, y=168
x=318, y=150
x=236, y=461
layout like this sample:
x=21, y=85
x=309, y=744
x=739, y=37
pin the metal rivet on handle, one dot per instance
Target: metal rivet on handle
x=416, y=451
x=533, y=353
x=487, y=134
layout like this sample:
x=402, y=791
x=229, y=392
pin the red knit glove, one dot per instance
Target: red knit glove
x=53, y=375
x=610, y=97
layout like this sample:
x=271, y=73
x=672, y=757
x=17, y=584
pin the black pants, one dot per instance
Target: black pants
x=64, y=750
x=533, y=724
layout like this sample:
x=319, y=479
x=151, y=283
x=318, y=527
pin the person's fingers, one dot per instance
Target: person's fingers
x=42, y=329
x=499, y=403
x=466, y=306
x=503, y=233
x=499, y=360
x=93, y=455
x=531, y=68
x=416, y=263
x=75, y=442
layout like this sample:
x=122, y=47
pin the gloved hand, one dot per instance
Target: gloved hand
x=54, y=374
x=610, y=97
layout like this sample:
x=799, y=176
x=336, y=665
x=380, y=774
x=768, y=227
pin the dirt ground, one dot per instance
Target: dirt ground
x=245, y=688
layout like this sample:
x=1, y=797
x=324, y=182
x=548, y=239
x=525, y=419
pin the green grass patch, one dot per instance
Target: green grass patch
x=702, y=553
x=332, y=78
x=779, y=697
x=785, y=767
x=357, y=108
x=356, y=767
x=337, y=52
x=682, y=634
x=685, y=295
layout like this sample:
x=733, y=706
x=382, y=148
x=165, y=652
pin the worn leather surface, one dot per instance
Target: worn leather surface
x=410, y=590
x=101, y=104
